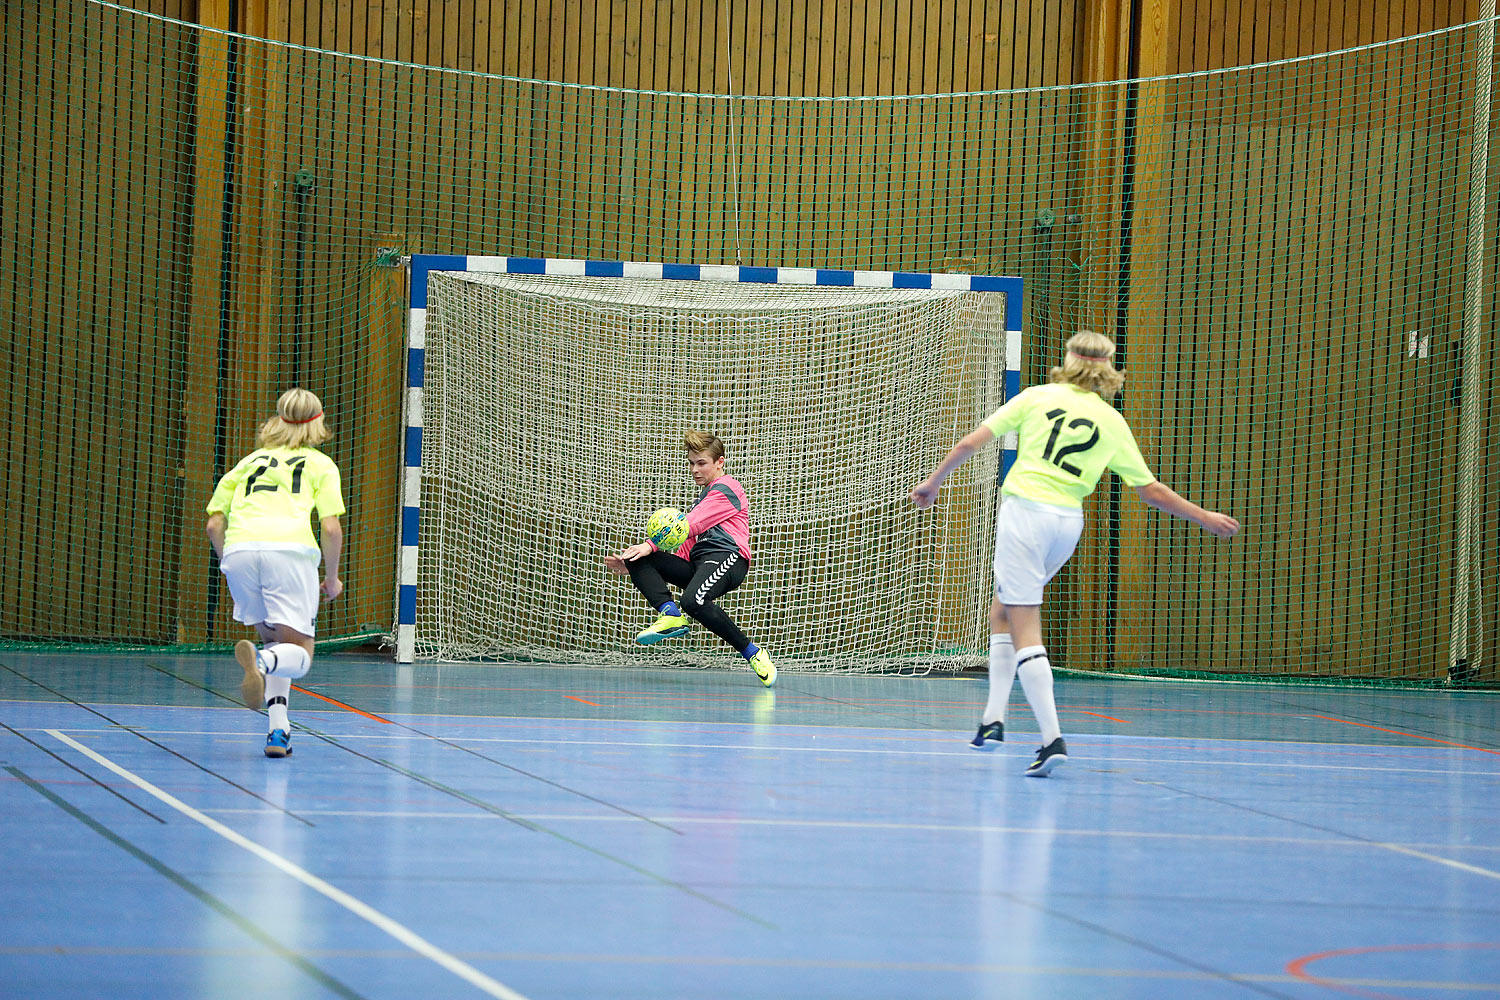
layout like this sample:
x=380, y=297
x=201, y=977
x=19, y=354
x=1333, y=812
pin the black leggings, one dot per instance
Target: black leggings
x=703, y=581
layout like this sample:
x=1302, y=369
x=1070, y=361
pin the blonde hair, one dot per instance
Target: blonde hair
x=298, y=422
x=1090, y=365
x=703, y=441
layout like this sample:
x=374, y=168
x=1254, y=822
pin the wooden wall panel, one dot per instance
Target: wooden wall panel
x=182, y=10
x=93, y=165
x=1215, y=34
x=604, y=198
x=774, y=47
x=1352, y=516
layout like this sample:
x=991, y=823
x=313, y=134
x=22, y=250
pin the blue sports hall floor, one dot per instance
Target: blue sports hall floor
x=560, y=832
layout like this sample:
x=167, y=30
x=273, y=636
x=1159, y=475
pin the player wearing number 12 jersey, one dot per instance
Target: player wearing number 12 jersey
x=259, y=525
x=1068, y=435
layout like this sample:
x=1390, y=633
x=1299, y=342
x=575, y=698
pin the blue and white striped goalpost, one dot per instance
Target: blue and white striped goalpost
x=423, y=265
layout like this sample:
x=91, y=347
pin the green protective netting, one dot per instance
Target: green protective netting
x=1298, y=260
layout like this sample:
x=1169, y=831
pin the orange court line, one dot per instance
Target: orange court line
x=335, y=701
x=1297, y=967
x=584, y=700
x=894, y=703
x=1415, y=736
x=638, y=695
x=1096, y=715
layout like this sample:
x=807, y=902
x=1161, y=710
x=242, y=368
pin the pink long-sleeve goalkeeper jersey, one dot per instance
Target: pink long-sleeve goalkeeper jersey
x=719, y=521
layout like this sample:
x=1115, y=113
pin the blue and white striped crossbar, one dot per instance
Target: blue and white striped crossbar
x=423, y=265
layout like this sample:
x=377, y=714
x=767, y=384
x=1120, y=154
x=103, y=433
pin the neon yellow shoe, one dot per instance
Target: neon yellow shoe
x=665, y=627
x=763, y=667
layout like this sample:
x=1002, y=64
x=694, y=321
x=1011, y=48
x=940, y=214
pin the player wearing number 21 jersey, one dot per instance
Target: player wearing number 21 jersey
x=259, y=524
x=1068, y=434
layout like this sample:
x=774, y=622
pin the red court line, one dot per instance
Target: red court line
x=732, y=698
x=584, y=700
x=1297, y=967
x=1397, y=732
x=1096, y=715
x=335, y=701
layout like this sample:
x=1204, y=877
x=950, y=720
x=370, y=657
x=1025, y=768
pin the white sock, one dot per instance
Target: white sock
x=1035, y=671
x=277, y=690
x=285, y=659
x=1002, y=676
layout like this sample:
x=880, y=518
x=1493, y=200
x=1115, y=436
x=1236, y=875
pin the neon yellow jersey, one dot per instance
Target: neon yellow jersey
x=268, y=496
x=1068, y=437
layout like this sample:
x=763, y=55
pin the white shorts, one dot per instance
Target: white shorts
x=1032, y=541
x=272, y=586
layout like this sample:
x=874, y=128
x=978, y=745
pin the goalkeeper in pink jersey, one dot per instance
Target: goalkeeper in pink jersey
x=1069, y=434
x=713, y=561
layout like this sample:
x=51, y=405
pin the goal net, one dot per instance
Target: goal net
x=552, y=409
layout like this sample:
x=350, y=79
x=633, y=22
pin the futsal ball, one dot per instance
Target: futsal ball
x=667, y=528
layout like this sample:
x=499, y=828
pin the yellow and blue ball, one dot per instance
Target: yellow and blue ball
x=667, y=528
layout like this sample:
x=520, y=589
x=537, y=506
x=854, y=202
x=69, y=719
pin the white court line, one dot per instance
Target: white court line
x=964, y=752
x=722, y=961
x=427, y=717
x=415, y=942
x=1471, y=869
x=476, y=977
x=860, y=825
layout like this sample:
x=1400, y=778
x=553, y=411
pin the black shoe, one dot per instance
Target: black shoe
x=993, y=732
x=1047, y=759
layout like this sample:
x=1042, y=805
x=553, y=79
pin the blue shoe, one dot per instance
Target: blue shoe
x=278, y=743
x=993, y=732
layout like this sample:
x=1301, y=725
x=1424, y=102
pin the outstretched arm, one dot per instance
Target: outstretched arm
x=1161, y=496
x=926, y=491
x=616, y=562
